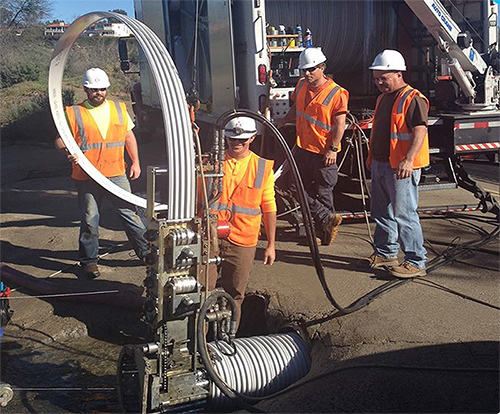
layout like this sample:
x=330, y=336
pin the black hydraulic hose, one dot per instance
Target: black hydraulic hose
x=461, y=249
x=244, y=401
x=306, y=212
x=307, y=218
x=310, y=233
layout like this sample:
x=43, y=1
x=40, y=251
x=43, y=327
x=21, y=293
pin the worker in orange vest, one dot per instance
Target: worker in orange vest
x=102, y=129
x=247, y=197
x=320, y=112
x=399, y=148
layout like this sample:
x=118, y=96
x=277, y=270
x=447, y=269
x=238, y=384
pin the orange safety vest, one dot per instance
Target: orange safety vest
x=242, y=207
x=106, y=155
x=314, y=122
x=401, y=134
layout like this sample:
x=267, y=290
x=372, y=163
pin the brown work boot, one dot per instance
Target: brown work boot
x=377, y=262
x=91, y=271
x=407, y=271
x=331, y=229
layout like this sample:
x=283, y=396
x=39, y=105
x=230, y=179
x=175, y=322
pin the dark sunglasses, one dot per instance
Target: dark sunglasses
x=243, y=141
x=97, y=89
x=310, y=70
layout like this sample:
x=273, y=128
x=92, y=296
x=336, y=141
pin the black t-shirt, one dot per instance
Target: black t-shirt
x=380, y=136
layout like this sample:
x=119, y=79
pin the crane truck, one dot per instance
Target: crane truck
x=228, y=58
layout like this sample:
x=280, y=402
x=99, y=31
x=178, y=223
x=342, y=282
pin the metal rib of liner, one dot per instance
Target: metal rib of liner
x=176, y=119
x=270, y=372
x=306, y=363
x=271, y=359
x=262, y=366
x=178, y=160
x=261, y=383
x=178, y=134
x=277, y=356
x=288, y=348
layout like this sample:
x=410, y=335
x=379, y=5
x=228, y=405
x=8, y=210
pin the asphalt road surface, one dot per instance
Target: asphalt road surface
x=428, y=345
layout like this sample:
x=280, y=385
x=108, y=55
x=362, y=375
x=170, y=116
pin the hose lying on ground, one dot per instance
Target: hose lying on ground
x=121, y=298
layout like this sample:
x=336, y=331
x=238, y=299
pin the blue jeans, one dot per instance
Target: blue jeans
x=394, y=209
x=319, y=182
x=90, y=196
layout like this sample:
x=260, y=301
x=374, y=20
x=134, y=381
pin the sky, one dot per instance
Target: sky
x=69, y=10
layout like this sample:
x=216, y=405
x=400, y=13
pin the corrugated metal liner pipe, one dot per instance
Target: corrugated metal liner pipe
x=261, y=366
x=178, y=133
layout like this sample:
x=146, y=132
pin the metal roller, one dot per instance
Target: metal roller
x=184, y=284
x=178, y=133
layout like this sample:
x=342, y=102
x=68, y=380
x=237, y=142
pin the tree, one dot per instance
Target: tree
x=55, y=21
x=24, y=12
x=119, y=11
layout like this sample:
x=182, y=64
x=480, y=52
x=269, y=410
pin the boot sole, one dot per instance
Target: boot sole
x=409, y=275
x=384, y=265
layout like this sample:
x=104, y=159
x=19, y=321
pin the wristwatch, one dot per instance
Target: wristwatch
x=334, y=149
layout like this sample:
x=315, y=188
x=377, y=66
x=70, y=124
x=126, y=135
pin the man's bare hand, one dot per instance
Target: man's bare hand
x=72, y=158
x=269, y=256
x=405, y=169
x=330, y=158
x=135, y=171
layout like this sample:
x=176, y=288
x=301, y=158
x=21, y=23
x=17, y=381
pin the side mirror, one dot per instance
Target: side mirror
x=123, y=53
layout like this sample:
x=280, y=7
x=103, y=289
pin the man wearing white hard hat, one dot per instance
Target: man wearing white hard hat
x=399, y=148
x=319, y=112
x=247, y=197
x=102, y=129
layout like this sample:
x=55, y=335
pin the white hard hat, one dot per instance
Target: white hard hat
x=95, y=78
x=240, y=128
x=389, y=60
x=311, y=57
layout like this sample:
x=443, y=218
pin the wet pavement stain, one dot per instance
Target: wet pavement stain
x=70, y=376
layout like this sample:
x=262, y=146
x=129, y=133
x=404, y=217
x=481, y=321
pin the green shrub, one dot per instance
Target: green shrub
x=24, y=58
x=24, y=65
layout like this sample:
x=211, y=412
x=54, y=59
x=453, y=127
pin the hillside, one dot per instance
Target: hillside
x=25, y=113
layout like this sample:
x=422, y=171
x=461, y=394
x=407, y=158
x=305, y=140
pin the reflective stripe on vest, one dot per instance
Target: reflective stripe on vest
x=331, y=95
x=115, y=144
x=299, y=87
x=402, y=100
x=119, y=111
x=84, y=146
x=261, y=169
x=237, y=209
x=402, y=136
x=314, y=121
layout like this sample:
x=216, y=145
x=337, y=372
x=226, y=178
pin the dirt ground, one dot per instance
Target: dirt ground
x=429, y=345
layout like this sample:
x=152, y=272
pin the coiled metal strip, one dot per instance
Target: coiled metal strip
x=184, y=284
x=262, y=365
x=178, y=133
